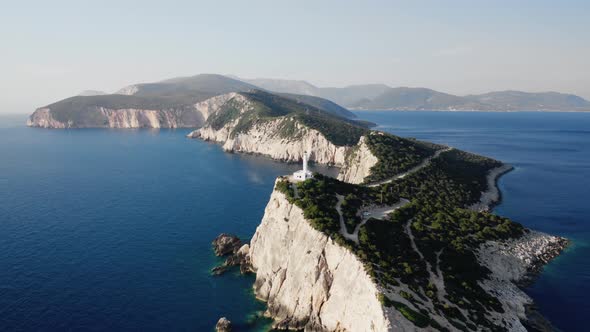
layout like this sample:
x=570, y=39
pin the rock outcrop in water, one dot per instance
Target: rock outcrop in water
x=225, y=244
x=236, y=252
x=223, y=325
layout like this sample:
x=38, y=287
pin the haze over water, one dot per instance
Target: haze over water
x=112, y=229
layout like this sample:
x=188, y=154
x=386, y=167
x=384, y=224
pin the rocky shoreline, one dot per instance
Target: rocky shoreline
x=236, y=253
x=519, y=261
x=302, y=274
x=492, y=196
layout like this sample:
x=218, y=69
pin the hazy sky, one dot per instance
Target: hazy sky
x=50, y=50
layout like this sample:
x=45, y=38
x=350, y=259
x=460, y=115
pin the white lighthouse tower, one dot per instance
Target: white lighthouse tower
x=303, y=174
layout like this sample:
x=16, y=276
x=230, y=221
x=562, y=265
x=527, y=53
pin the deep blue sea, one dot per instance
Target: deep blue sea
x=112, y=229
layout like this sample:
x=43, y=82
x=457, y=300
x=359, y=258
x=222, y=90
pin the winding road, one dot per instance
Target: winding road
x=416, y=168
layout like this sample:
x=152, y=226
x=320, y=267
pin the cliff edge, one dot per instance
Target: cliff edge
x=312, y=282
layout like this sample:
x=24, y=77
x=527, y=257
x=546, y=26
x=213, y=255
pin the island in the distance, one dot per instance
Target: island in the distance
x=183, y=102
x=402, y=240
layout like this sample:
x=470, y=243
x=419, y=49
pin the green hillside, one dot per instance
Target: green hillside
x=268, y=106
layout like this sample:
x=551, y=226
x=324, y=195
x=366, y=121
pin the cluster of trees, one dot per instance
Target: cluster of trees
x=266, y=106
x=350, y=207
x=336, y=129
x=445, y=233
x=396, y=155
x=228, y=113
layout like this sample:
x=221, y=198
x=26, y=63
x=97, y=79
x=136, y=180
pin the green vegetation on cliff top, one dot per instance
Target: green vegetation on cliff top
x=268, y=106
x=436, y=222
x=179, y=94
x=396, y=155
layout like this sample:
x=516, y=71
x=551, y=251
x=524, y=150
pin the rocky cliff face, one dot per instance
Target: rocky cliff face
x=516, y=262
x=358, y=163
x=137, y=118
x=266, y=138
x=308, y=281
x=43, y=118
x=129, y=90
x=312, y=283
x=101, y=117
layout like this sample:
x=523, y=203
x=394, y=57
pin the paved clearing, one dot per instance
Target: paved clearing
x=377, y=212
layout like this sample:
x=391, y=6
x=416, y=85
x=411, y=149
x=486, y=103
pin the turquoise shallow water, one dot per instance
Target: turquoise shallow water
x=549, y=190
x=111, y=229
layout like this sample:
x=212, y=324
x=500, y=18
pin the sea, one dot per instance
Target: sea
x=111, y=229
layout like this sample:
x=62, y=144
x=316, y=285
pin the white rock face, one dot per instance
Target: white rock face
x=140, y=118
x=358, y=163
x=128, y=90
x=137, y=118
x=512, y=261
x=312, y=283
x=212, y=105
x=123, y=118
x=265, y=138
x=42, y=118
x=308, y=281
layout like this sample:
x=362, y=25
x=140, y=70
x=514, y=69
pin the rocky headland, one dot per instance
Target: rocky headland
x=311, y=282
x=402, y=241
x=315, y=279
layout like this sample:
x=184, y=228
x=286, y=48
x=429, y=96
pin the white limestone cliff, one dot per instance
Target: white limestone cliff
x=121, y=118
x=312, y=283
x=309, y=281
x=265, y=138
x=43, y=118
x=358, y=163
x=103, y=117
x=129, y=90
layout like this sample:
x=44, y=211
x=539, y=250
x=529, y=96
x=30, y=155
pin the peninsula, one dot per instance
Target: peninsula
x=401, y=240
x=186, y=102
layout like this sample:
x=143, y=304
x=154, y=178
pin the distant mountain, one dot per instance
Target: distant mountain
x=351, y=95
x=417, y=99
x=383, y=97
x=285, y=86
x=177, y=102
x=198, y=87
x=518, y=100
x=344, y=96
x=321, y=103
x=92, y=93
x=173, y=103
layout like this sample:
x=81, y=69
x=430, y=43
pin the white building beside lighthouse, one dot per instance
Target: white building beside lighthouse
x=303, y=174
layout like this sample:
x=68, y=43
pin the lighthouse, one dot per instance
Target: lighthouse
x=303, y=174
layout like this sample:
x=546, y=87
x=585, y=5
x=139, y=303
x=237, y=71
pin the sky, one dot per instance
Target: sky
x=50, y=50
